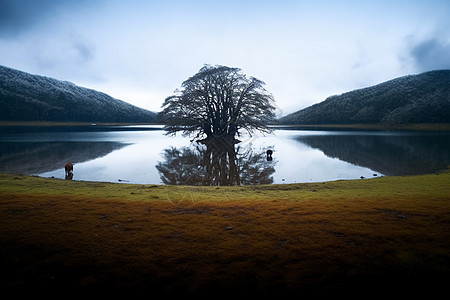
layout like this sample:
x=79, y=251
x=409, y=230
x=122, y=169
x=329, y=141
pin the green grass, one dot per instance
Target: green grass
x=426, y=186
x=386, y=235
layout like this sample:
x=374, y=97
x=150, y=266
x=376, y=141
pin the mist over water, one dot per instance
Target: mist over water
x=144, y=155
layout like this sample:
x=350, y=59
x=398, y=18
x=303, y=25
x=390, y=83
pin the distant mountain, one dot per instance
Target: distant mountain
x=27, y=97
x=413, y=99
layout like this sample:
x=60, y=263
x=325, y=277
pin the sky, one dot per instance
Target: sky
x=305, y=51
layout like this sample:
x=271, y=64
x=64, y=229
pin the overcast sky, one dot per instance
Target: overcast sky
x=305, y=51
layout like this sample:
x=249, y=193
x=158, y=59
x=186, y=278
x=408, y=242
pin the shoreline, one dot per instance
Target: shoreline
x=51, y=123
x=386, y=127
x=254, y=186
x=382, y=127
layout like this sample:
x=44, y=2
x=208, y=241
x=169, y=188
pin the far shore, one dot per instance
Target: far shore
x=48, y=123
x=386, y=127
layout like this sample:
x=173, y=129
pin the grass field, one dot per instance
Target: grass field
x=388, y=235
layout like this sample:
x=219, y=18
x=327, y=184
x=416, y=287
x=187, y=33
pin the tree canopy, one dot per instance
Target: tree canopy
x=219, y=101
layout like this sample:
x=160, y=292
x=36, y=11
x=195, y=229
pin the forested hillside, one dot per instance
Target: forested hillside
x=414, y=99
x=27, y=97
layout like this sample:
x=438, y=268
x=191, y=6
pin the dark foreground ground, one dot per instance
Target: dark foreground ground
x=385, y=236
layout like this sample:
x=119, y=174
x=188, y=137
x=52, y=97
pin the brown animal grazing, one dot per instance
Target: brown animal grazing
x=69, y=168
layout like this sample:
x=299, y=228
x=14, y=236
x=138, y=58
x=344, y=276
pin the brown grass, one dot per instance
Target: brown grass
x=385, y=234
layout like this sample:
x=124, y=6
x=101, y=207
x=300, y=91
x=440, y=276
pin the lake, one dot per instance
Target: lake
x=144, y=155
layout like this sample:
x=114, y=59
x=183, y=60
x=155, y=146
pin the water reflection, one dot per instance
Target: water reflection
x=144, y=155
x=389, y=154
x=39, y=157
x=217, y=163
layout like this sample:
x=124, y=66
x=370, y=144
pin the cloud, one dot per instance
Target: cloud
x=17, y=16
x=140, y=50
x=431, y=54
x=83, y=51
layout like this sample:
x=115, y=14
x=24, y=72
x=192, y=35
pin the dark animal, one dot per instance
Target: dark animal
x=269, y=155
x=69, y=169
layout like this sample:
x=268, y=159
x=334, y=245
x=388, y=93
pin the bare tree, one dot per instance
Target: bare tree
x=219, y=101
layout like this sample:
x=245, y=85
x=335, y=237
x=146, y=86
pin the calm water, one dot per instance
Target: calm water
x=143, y=154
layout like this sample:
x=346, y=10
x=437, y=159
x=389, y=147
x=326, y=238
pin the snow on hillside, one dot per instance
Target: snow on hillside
x=27, y=97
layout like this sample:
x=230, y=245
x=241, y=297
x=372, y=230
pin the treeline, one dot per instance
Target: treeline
x=414, y=99
x=26, y=97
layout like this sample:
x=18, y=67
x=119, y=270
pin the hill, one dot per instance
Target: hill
x=27, y=97
x=413, y=99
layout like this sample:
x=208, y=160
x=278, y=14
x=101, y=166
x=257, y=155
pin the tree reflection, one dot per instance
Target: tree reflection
x=216, y=163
